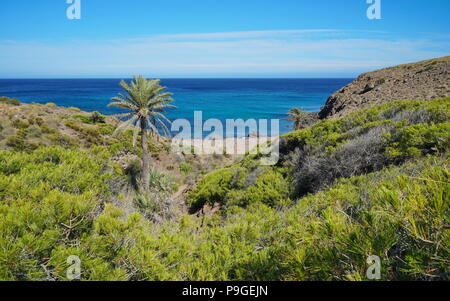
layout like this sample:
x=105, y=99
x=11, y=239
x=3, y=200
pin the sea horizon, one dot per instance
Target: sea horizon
x=216, y=98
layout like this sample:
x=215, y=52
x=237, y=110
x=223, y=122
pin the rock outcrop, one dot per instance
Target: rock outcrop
x=422, y=80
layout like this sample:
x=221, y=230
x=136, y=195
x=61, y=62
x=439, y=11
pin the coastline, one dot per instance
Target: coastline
x=226, y=145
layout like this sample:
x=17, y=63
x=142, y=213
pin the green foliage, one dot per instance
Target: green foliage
x=106, y=129
x=10, y=101
x=271, y=188
x=335, y=132
x=93, y=118
x=399, y=214
x=46, y=129
x=96, y=117
x=419, y=139
x=20, y=124
x=211, y=189
x=186, y=168
x=19, y=142
x=56, y=202
x=48, y=199
x=63, y=140
x=160, y=181
x=365, y=141
x=134, y=172
x=241, y=186
x=90, y=133
x=146, y=204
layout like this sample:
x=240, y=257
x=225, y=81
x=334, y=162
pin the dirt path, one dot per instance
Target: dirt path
x=179, y=198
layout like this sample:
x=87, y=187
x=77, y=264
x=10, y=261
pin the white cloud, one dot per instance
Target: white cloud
x=249, y=53
x=245, y=34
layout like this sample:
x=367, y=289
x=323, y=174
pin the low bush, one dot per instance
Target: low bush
x=10, y=101
x=211, y=189
x=19, y=142
x=56, y=202
x=239, y=186
x=186, y=168
x=366, y=141
x=89, y=133
x=399, y=214
x=161, y=182
x=92, y=118
x=20, y=124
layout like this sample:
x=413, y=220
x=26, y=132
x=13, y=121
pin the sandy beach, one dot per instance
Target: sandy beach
x=218, y=145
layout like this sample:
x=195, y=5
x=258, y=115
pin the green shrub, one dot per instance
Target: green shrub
x=91, y=134
x=96, y=117
x=146, y=204
x=398, y=214
x=48, y=199
x=10, y=101
x=134, y=172
x=55, y=202
x=271, y=189
x=106, y=129
x=92, y=118
x=63, y=140
x=365, y=141
x=211, y=189
x=45, y=128
x=186, y=168
x=20, y=124
x=238, y=186
x=19, y=142
x=161, y=182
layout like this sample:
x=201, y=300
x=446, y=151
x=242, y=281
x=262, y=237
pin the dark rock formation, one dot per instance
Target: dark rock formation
x=423, y=80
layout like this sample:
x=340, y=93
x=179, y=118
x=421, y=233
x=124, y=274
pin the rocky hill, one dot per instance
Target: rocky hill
x=422, y=80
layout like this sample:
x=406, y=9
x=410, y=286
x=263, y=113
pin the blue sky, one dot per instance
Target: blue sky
x=217, y=38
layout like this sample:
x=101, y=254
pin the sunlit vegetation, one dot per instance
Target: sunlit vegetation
x=9, y=101
x=375, y=182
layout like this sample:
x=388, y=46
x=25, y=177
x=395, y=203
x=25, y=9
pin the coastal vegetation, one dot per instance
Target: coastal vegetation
x=296, y=115
x=374, y=182
x=11, y=101
x=147, y=103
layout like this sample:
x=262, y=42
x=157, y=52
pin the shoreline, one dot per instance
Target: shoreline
x=220, y=145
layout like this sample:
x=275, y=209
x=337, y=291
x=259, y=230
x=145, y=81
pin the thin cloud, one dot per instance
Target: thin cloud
x=324, y=51
x=245, y=34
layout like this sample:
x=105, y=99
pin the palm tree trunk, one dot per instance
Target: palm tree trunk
x=145, y=158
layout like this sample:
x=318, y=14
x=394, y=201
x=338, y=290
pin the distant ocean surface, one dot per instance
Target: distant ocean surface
x=218, y=98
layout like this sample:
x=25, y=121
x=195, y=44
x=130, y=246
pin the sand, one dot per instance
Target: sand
x=230, y=146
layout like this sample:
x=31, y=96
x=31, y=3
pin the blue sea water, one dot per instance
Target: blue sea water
x=217, y=98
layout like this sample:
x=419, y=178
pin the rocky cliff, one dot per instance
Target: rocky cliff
x=422, y=80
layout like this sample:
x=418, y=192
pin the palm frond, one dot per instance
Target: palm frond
x=122, y=104
x=122, y=115
x=163, y=126
x=125, y=125
x=147, y=100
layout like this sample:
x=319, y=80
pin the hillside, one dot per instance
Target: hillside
x=375, y=182
x=30, y=127
x=422, y=80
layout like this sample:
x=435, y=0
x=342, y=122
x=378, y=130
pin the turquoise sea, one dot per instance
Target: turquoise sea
x=217, y=98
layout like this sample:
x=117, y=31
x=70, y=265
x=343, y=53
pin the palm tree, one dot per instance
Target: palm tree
x=146, y=101
x=296, y=115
